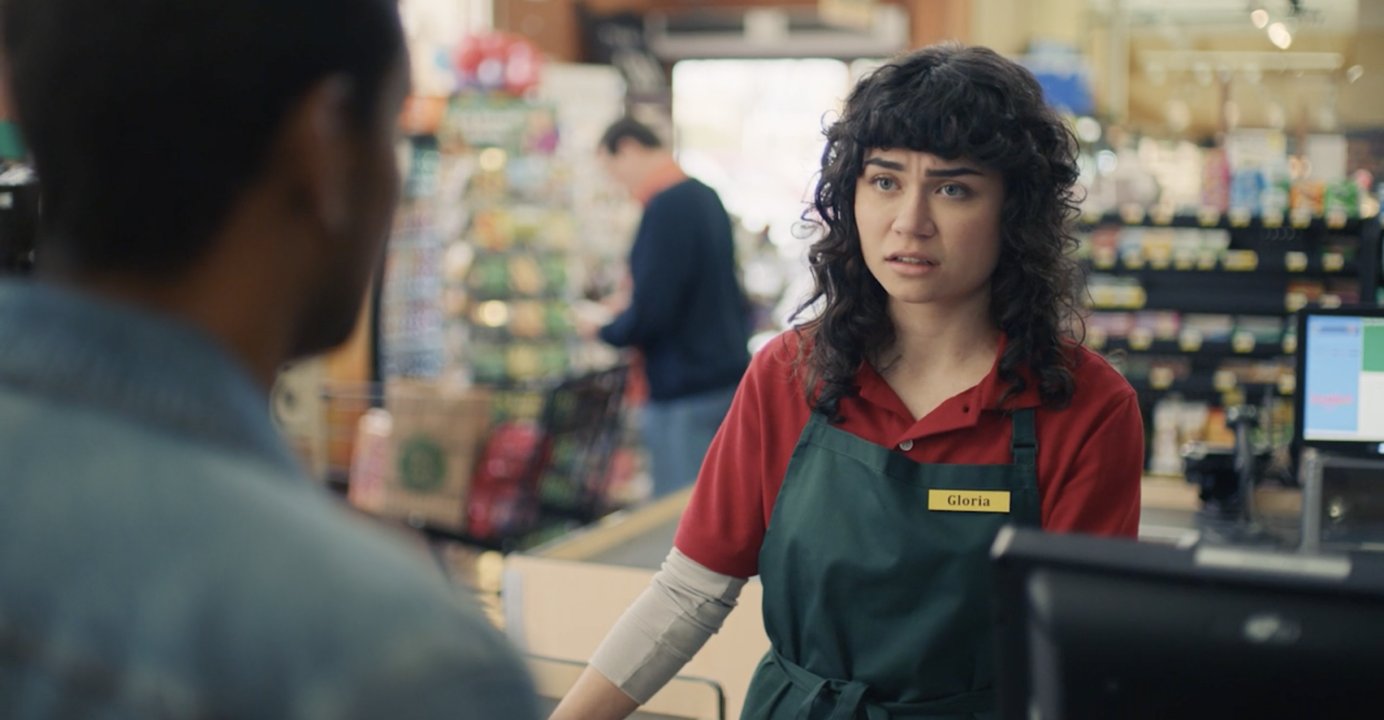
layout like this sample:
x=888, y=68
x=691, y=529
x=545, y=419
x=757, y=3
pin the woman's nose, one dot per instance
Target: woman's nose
x=914, y=218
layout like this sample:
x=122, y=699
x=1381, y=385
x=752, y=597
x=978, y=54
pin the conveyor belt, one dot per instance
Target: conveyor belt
x=645, y=550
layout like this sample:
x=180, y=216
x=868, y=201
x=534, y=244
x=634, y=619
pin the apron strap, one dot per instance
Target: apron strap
x=850, y=698
x=1024, y=444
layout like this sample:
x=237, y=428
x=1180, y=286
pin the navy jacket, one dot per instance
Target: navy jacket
x=688, y=315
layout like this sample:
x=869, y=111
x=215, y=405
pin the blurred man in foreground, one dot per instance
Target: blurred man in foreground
x=219, y=178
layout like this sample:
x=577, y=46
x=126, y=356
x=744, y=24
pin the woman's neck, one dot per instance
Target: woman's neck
x=937, y=354
x=932, y=338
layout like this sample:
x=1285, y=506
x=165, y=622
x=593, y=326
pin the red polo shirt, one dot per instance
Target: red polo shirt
x=1090, y=455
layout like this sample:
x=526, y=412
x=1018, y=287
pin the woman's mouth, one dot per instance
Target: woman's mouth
x=912, y=259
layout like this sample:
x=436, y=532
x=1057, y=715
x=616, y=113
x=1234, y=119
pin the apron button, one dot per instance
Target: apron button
x=906, y=445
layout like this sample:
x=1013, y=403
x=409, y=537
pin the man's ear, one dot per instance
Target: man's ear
x=319, y=144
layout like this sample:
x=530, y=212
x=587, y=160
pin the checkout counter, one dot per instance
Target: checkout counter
x=560, y=599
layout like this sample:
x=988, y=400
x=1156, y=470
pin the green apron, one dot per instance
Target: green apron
x=876, y=582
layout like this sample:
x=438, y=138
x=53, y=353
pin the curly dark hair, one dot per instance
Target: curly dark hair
x=954, y=102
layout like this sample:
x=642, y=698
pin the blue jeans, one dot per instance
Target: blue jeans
x=677, y=434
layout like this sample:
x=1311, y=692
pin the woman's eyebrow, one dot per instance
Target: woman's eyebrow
x=886, y=164
x=953, y=172
x=934, y=173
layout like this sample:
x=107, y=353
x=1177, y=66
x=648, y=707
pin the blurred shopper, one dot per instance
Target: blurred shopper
x=219, y=178
x=686, y=312
x=874, y=451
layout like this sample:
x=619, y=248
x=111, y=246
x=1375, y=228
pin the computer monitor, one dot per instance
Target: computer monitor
x=1340, y=381
x=1096, y=628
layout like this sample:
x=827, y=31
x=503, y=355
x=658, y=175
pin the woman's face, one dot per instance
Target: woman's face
x=929, y=228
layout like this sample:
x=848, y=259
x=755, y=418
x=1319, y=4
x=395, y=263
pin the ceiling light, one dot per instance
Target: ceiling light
x=1260, y=18
x=1279, y=35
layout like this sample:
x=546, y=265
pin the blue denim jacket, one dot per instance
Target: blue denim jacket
x=163, y=556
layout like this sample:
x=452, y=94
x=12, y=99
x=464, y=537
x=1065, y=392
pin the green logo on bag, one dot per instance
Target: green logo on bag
x=422, y=465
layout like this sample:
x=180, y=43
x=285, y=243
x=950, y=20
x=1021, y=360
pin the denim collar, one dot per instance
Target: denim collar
x=74, y=348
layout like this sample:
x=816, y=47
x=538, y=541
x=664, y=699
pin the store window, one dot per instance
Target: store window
x=752, y=129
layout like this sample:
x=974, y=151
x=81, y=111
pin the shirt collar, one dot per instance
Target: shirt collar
x=666, y=175
x=64, y=344
x=958, y=412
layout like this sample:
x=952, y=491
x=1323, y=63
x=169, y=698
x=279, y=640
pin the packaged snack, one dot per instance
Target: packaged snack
x=1342, y=199
x=1161, y=324
x=1308, y=196
x=1246, y=186
x=1264, y=330
x=1211, y=328
x=1215, y=182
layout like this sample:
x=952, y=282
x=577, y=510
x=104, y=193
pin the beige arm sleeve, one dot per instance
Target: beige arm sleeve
x=683, y=607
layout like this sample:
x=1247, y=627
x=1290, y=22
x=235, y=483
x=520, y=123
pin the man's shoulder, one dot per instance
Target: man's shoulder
x=354, y=606
x=390, y=620
x=253, y=571
x=680, y=194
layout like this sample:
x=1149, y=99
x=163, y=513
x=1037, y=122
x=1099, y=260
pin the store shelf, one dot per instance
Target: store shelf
x=1149, y=219
x=1208, y=350
x=1270, y=264
x=1217, y=306
x=1201, y=387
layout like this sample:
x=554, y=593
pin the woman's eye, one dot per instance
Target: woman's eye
x=885, y=183
x=954, y=190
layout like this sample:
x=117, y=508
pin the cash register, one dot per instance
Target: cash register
x=1093, y=628
x=1339, y=433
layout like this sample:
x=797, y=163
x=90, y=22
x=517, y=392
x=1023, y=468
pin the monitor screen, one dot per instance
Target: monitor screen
x=1340, y=380
x=1090, y=628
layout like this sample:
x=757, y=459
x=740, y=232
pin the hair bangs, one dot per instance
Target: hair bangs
x=944, y=111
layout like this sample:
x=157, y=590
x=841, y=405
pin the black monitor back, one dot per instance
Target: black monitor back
x=1093, y=628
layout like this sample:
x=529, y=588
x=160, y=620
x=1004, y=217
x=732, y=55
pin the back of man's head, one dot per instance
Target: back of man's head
x=149, y=119
x=626, y=129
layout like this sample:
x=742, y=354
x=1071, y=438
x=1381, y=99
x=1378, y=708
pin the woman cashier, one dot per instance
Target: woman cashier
x=872, y=454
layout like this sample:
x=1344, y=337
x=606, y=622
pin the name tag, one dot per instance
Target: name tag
x=986, y=501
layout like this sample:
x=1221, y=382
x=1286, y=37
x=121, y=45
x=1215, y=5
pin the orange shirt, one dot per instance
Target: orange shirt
x=1090, y=454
